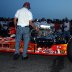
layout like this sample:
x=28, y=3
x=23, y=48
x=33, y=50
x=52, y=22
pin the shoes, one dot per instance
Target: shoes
x=25, y=58
x=16, y=56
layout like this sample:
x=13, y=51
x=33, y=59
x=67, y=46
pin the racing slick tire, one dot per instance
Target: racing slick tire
x=69, y=50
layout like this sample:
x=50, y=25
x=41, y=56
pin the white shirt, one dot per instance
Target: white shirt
x=24, y=16
x=67, y=26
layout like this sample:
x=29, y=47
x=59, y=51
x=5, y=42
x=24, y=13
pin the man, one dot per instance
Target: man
x=23, y=18
x=67, y=27
x=66, y=33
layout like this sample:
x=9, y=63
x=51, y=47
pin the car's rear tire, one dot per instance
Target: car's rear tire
x=69, y=50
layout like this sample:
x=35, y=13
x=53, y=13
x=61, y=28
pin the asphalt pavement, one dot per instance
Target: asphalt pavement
x=35, y=63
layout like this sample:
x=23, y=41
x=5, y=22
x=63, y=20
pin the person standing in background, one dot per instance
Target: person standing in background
x=66, y=33
x=66, y=27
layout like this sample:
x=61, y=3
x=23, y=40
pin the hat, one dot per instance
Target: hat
x=27, y=4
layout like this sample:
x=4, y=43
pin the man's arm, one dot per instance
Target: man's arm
x=32, y=24
x=15, y=22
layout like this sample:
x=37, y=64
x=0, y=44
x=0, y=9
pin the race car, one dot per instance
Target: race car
x=45, y=42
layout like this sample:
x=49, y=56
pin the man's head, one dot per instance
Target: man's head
x=43, y=19
x=27, y=5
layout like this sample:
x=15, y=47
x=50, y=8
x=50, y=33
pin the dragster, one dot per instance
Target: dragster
x=44, y=42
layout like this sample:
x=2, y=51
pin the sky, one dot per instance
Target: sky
x=39, y=8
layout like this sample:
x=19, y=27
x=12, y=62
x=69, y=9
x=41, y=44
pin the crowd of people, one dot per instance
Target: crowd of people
x=63, y=26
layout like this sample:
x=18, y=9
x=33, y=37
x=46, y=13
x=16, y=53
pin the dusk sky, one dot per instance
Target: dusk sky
x=39, y=8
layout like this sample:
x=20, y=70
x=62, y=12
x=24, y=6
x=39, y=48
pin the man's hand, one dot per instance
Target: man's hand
x=37, y=29
x=33, y=25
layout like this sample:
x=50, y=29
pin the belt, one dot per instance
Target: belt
x=26, y=26
x=21, y=26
